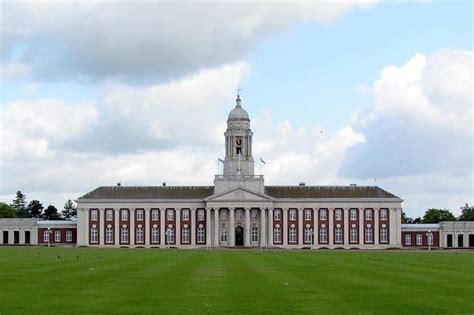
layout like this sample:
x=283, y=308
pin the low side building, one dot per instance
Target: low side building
x=32, y=231
x=455, y=234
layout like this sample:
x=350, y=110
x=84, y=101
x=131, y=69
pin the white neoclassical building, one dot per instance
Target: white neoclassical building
x=239, y=210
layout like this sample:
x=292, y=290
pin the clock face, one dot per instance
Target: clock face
x=238, y=142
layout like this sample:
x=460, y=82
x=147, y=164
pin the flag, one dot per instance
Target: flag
x=220, y=160
x=261, y=160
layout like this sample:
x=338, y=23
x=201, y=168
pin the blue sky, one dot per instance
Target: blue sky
x=113, y=86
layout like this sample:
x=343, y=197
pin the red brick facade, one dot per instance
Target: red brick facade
x=63, y=232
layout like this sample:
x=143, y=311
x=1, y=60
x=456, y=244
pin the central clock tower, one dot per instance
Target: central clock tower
x=238, y=143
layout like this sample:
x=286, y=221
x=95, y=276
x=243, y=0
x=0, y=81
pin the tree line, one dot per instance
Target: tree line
x=439, y=215
x=19, y=208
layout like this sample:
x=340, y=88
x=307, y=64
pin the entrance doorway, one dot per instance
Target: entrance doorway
x=16, y=237
x=27, y=237
x=5, y=237
x=460, y=240
x=450, y=240
x=239, y=236
x=471, y=240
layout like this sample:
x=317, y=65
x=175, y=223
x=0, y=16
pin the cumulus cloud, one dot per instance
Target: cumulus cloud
x=78, y=40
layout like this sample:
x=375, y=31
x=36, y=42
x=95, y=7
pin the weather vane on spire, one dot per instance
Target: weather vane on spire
x=238, y=96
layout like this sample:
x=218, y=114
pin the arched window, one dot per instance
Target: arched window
x=292, y=234
x=353, y=234
x=155, y=234
x=308, y=234
x=170, y=235
x=223, y=233
x=124, y=235
x=323, y=234
x=200, y=234
x=139, y=234
x=368, y=234
x=109, y=235
x=185, y=234
x=254, y=234
x=383, y=234
x=277, y=234
x=338, y=234
x=94, y=235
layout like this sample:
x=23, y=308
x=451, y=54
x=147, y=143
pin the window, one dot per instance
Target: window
x=155, y=215
x=169, y=215
x=185, y=214
x=292, y=234
x=45, y=235
x=292, y=214
x=277, y=234
x=139, y=234
x=139, y=215
x=109, y=215
x=109, y=235
x=383, y=214
x=94, y=215
x=124, y=235
x=254, y=215
x=323, y=234
x=94, y=235
x=169, y=235
x=353, y=214
x=223, y=234
x=154, y=234
x=68, y=236
x=185, y=234
x=307, y=214
x=338, y=214
x=200, y=215
x=407, y=239
x=238, y=215
x=200, y=234
x=57, y=236
x=368, y=234
x=338, y=234
x=277, y=215
x=419, y=239
x=322, y=214
x=353, y=234
x=224, y=215
x=124, y=215
x=430, y=239
x=254, y=234
x=368, y=215
x=308, y=234
x=383, y=234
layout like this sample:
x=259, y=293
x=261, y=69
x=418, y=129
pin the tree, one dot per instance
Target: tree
x=19, y=205
x=416, y=220
x=467, y=213
x=438, y=215
x=51, y=213
x=70, y=211
x=35, y=209
x=406, y=219
x=7, y=211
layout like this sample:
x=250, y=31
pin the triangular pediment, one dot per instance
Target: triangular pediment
x=239, y=194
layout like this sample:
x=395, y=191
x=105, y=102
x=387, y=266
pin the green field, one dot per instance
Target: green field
x=63, y=280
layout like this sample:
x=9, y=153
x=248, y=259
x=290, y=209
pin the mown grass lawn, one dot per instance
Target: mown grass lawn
x=92, y=281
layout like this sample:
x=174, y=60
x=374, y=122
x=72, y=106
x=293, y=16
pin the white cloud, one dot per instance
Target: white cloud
x=13, y=69
x=147, y=39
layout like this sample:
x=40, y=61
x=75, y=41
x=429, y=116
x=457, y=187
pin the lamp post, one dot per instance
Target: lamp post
x=429, y=235
x=312, y=238
x=49, y=237
x=167, y=236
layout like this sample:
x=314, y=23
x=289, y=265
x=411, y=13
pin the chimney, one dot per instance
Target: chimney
x=164, y=184
x=302, y=184
x=119, y=184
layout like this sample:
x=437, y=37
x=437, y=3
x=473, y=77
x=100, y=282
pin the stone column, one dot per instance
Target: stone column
x=208, y=227
x=178, y=227
x=361, y=226
x=146, y=226
x=247, y=227
x=192, y=220
x=101, y=226
x=231, y=227
x=270, y=227
x=300, y=226
x=284, y=228
x=330, y=228
x=316, y=227
x=117, y=227
x=216, y=227
x=347, y=228
x=132, y=227
x=162, y=227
